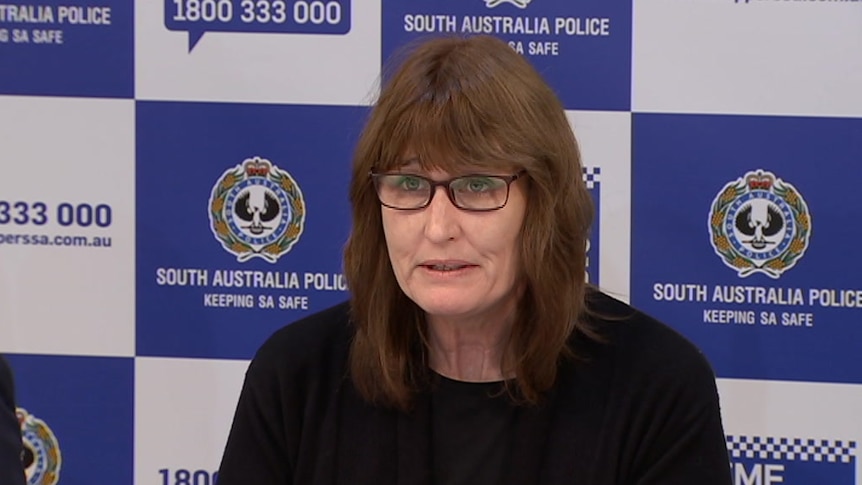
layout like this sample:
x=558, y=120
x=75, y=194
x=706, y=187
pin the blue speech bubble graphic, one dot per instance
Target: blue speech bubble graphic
x=197, y=17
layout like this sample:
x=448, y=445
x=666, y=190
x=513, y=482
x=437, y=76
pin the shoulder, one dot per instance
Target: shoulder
x=320, y=338
x=640, y=345
x=6, y=382
x=288, y=395
x=657, y=398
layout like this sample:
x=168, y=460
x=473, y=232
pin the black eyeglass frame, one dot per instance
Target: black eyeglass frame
x=447, y=184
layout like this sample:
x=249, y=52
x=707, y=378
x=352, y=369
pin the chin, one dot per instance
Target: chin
x=448, y=305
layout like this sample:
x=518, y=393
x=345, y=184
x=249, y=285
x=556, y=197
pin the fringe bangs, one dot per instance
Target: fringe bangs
x=449, y=132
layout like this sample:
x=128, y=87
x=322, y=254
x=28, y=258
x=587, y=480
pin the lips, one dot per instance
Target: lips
x=446, y=266
x=443, y=267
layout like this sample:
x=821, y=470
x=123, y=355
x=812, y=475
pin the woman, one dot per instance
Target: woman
x=471, y=350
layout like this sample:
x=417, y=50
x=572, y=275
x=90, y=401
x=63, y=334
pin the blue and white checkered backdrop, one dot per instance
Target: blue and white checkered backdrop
x=722, y=141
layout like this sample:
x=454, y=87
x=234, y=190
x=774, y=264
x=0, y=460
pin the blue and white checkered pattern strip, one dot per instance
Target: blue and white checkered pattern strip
x=592, y=176
x=831, y=451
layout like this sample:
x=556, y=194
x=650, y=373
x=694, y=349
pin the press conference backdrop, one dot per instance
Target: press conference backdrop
x=721, y=139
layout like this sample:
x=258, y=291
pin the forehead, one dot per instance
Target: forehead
x=452, y=168
x=452, y=137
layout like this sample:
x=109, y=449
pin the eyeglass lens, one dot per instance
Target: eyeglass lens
x=476, y=192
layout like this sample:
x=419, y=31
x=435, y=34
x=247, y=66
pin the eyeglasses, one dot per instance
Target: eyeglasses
x=406, y=191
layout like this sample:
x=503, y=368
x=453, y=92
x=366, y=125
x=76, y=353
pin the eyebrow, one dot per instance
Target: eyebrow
x=413, y=165
x=408, y=162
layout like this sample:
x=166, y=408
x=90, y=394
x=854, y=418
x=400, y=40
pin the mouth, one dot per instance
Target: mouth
x=444, y=267
x=447, y=266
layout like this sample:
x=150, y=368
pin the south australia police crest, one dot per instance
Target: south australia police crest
x=41, y=457
x=759, y=223
x=256, y=210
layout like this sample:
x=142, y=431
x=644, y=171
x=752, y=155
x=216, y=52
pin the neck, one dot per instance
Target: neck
x=469, y=350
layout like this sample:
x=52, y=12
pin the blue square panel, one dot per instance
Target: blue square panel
x=76, y=417
x=583, y=48
x=745, y=238
x=70, y=48
x=242, y=214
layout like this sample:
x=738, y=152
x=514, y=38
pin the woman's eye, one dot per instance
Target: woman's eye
x=478, y=184
x=410, y=183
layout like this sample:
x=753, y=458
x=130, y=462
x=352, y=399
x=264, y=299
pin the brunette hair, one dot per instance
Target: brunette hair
x=456, y=102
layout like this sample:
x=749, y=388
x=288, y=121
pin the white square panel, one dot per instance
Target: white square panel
x=67, y=186
x=183, y=413
x=258, y=67
x=794, y=410
x=605, y=143
x=748, y=57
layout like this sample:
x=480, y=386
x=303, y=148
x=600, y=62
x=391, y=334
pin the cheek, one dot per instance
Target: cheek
x=513, y=258
x=400, y=230
x=390, y=230
x=508, y=245
x=387, y=225
x=501, y=248
x=395, y=235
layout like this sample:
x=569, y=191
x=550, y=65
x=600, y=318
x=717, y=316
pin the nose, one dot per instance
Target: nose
x=441, y=218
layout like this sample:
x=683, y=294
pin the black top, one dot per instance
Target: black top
x=471, y=427
x=11, y=444
x=642, y=410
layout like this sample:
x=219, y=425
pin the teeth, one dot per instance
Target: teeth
x=444, y=267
